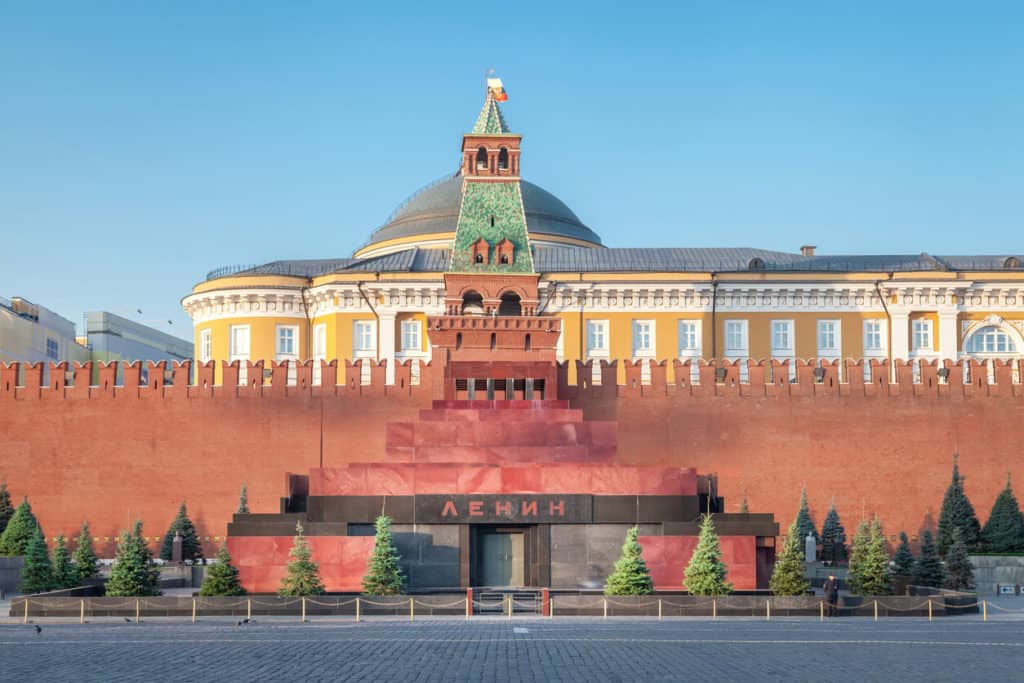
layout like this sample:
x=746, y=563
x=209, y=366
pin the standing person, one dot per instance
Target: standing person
x=831, y=587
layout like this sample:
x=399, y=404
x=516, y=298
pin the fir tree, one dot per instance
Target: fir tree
x=803, y=519
x=37, y=575
x=630, y=576
x=928, y=569
x=706, y=573
x=1004, y=530
x=6, y=509
x=191, y=548
x=243, y=500
x=303, y=576
x=84, y=557
x=959, y=571
x=858, y=553
x=20, y=529
x=64, y=574
x=383, y=574
x=903, y=560
x=222, y=577
x=133, y=573
x=833, y=537
x=957, y=513
x=873, y=572
x=789, y=577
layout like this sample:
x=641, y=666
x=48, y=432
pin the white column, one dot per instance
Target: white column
x=947, y=335
x=900, y=334
x=386, y=345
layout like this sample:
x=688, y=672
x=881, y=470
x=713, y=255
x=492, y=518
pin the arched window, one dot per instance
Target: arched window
x=756, y=263
x=472, y=303
x=503, y=159
x=510, y=304
x=990, y=339
x=481, y=159
x=1011, y=262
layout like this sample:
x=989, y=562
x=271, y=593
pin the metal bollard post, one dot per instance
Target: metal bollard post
x=24, y=619
x=659, y=609
x=248, y=608
x=984, y=610
x=467, y=608
x=767, y=610
x=303, y=609
x=193, y=610
x=714, y=608
x=821, y=610
x=929, y=609
x=357, y=608
x=876, y=610
x=551, y=608
x=606, y=608
x=411, y=613
x=138, y=616
x=509, y=598
x=81, y=615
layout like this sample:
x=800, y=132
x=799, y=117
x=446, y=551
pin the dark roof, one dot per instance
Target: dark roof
x=644, y=260
x=435, y=208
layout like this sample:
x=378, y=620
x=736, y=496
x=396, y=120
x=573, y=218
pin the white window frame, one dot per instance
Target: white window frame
x=922, y=338
x=737, y=344
x=235, y=351
x=205, y=345
x=364, y=330
x=644, y=330
x=319, y=351
x=783, y=343
x=690, y=335
x=412, y=329
x=56, y=349
x=598, y=347
x=872, y=327
x=833, y=328
x=291, y=333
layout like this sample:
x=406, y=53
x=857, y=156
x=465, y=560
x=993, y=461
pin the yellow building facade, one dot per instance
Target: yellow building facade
x=614, y=303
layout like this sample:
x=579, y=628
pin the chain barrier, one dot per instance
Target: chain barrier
x=331, y=604
x=446, y=605
x=1004, y=609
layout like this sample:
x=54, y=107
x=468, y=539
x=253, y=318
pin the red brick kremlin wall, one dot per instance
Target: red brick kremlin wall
x=120, y=450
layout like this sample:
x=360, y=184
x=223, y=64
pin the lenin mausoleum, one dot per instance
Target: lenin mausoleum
x=515, y=395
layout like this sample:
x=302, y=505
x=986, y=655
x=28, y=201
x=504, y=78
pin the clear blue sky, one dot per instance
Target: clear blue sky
x=142, y=147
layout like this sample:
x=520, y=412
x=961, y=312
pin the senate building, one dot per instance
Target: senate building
x=612, y=303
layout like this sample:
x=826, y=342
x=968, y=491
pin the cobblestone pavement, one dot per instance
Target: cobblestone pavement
x=530, y=649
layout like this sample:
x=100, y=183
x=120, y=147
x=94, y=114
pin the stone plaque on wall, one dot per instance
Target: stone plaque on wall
x=499, y=508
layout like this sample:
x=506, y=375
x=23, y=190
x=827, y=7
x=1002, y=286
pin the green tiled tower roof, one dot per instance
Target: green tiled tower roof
x=490, y=121
x=495, y=212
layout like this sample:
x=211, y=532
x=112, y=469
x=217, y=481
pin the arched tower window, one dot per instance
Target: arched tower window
x=472, y=303
x=510, y=304
x=503, y=159
x=481, y=159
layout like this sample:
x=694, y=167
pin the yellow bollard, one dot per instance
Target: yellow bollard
x=467, y=608
x=714, y=608
x=767, y=610
x=248, y=608
x=303, y=610
x=929, y=609
x=821, y=610
x=984, y=610
x=24, y=619
x=606, y=608
x=81, y=615
x=138, y=616
x=509, y=598
x=193, y=610
x=411, y=613
x=357, y=608
x=551, y=607
x=659, y=609
x=876, y=610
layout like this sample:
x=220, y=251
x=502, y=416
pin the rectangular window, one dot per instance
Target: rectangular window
x=736, y=338
x=597, y=337
x=52, y=348
x=319, y=351
x=411, y=335
x=922, y=335
x=287, y=336
x=643, y=338
x=829, y=339
x=238, y=349
x=873, y=337
x=365, y=336
x=205, y=345
x=690, y=346
x=782, y=338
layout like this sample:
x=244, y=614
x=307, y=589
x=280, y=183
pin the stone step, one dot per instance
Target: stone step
x=500, y=405
x=524, y=415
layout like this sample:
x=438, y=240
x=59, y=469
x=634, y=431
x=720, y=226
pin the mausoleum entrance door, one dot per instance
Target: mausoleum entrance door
x=501, y=558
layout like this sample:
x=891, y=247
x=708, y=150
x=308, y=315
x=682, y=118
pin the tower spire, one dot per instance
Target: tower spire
x=490, y=120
